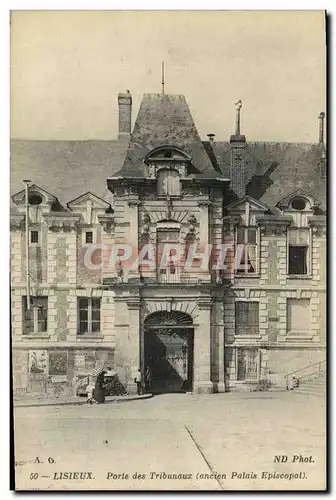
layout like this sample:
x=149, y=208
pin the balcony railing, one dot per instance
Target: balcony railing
x=170, y=275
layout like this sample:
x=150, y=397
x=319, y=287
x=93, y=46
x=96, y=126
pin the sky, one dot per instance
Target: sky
x=67, y=68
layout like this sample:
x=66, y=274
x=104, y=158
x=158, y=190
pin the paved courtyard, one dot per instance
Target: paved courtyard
x=176, y=441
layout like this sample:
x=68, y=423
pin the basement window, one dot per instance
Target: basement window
x=247, y=364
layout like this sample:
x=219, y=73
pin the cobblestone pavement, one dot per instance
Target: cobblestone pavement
x=213, y=442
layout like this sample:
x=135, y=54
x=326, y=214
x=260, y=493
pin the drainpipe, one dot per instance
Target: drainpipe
x=27, y=243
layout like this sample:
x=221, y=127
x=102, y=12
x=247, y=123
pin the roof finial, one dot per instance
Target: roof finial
x=162, y=82
x=238, y=105
x=321, y=127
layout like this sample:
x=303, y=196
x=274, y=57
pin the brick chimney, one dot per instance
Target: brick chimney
x=125, y=114
x=238, y=150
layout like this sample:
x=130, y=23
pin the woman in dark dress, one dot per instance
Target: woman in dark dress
x=99, y=392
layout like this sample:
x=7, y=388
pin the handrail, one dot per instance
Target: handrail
x=310, y=374
x=304, y=368
x=320, y=363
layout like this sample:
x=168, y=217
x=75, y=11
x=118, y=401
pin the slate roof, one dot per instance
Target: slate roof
x=164, y=119
x=274, y=170
x=68, y=169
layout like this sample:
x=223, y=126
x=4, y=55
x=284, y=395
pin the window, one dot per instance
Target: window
x=35, y=199
x=35, y=320
x=299, y=204
x=247, y=318
x=88, y=315
x=246, y=259
x=168, y=182
x=298, y=254
x=165, y=256
x=34, y=237
x=89, y=237
x=247, y=364
x=298, y=315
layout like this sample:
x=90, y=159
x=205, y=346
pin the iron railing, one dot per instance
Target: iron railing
x=315, y=369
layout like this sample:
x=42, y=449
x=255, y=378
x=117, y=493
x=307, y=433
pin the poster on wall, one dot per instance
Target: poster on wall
x=58, y=362
x=38, y=362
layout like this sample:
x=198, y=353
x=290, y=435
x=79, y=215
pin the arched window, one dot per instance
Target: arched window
x=168, y=182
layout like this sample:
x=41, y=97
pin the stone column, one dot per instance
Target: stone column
x=133, y=235
x=202, y=348
x=219, y=348
x=204, y=238
x=133, y=305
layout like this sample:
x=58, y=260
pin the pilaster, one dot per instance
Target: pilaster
x=202, y=346
x=133, y=305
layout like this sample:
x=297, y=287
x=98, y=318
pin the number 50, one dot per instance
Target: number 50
x=33, y=475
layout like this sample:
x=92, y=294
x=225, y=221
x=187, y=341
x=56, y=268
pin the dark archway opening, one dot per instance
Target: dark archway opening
x=169, y=348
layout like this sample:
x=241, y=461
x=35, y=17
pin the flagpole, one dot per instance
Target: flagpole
x=27, y=243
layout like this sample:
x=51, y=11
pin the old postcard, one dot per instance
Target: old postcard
x=168, y=250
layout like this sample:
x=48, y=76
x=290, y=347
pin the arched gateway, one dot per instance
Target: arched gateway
x=169, y=343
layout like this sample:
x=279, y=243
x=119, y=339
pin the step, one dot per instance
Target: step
x=311, y=388
x=310, y=393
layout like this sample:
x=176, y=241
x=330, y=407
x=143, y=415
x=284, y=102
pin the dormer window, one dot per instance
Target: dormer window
x=168, y=182
x=35, y=199
x=298, y=203
x=166, y=164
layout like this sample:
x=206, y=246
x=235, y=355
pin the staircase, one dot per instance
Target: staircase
x=312, y=379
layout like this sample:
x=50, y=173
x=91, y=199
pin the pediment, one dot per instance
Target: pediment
x=255, y=205
x=82, y=201
x=285, y=203
x=46, y=198
x=167, y=153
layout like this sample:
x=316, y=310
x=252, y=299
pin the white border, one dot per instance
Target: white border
x=121, y=5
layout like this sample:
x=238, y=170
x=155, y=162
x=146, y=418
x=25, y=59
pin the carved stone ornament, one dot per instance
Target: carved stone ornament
x=62, y=223
x=319, y=231
x=204, y=203
x=273, y=229
x=204, y=303
x=146, y=218
x=134, y=203
x=133, y=303
x=17, y=222
x=107, y=222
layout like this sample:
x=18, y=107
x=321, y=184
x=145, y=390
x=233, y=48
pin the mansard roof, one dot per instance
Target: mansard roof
x=70, y=168
x=164, y=119
x=274, y=169
x=67, y=169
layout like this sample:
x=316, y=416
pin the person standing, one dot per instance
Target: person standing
x=137, y=380
x=90, y=390
x=99, y=391
x=148, y=378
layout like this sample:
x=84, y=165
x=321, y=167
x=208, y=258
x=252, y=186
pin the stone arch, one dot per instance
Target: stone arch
x=168, y=318
x=173, y=305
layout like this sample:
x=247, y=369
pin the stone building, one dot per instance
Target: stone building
x=198, y=326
